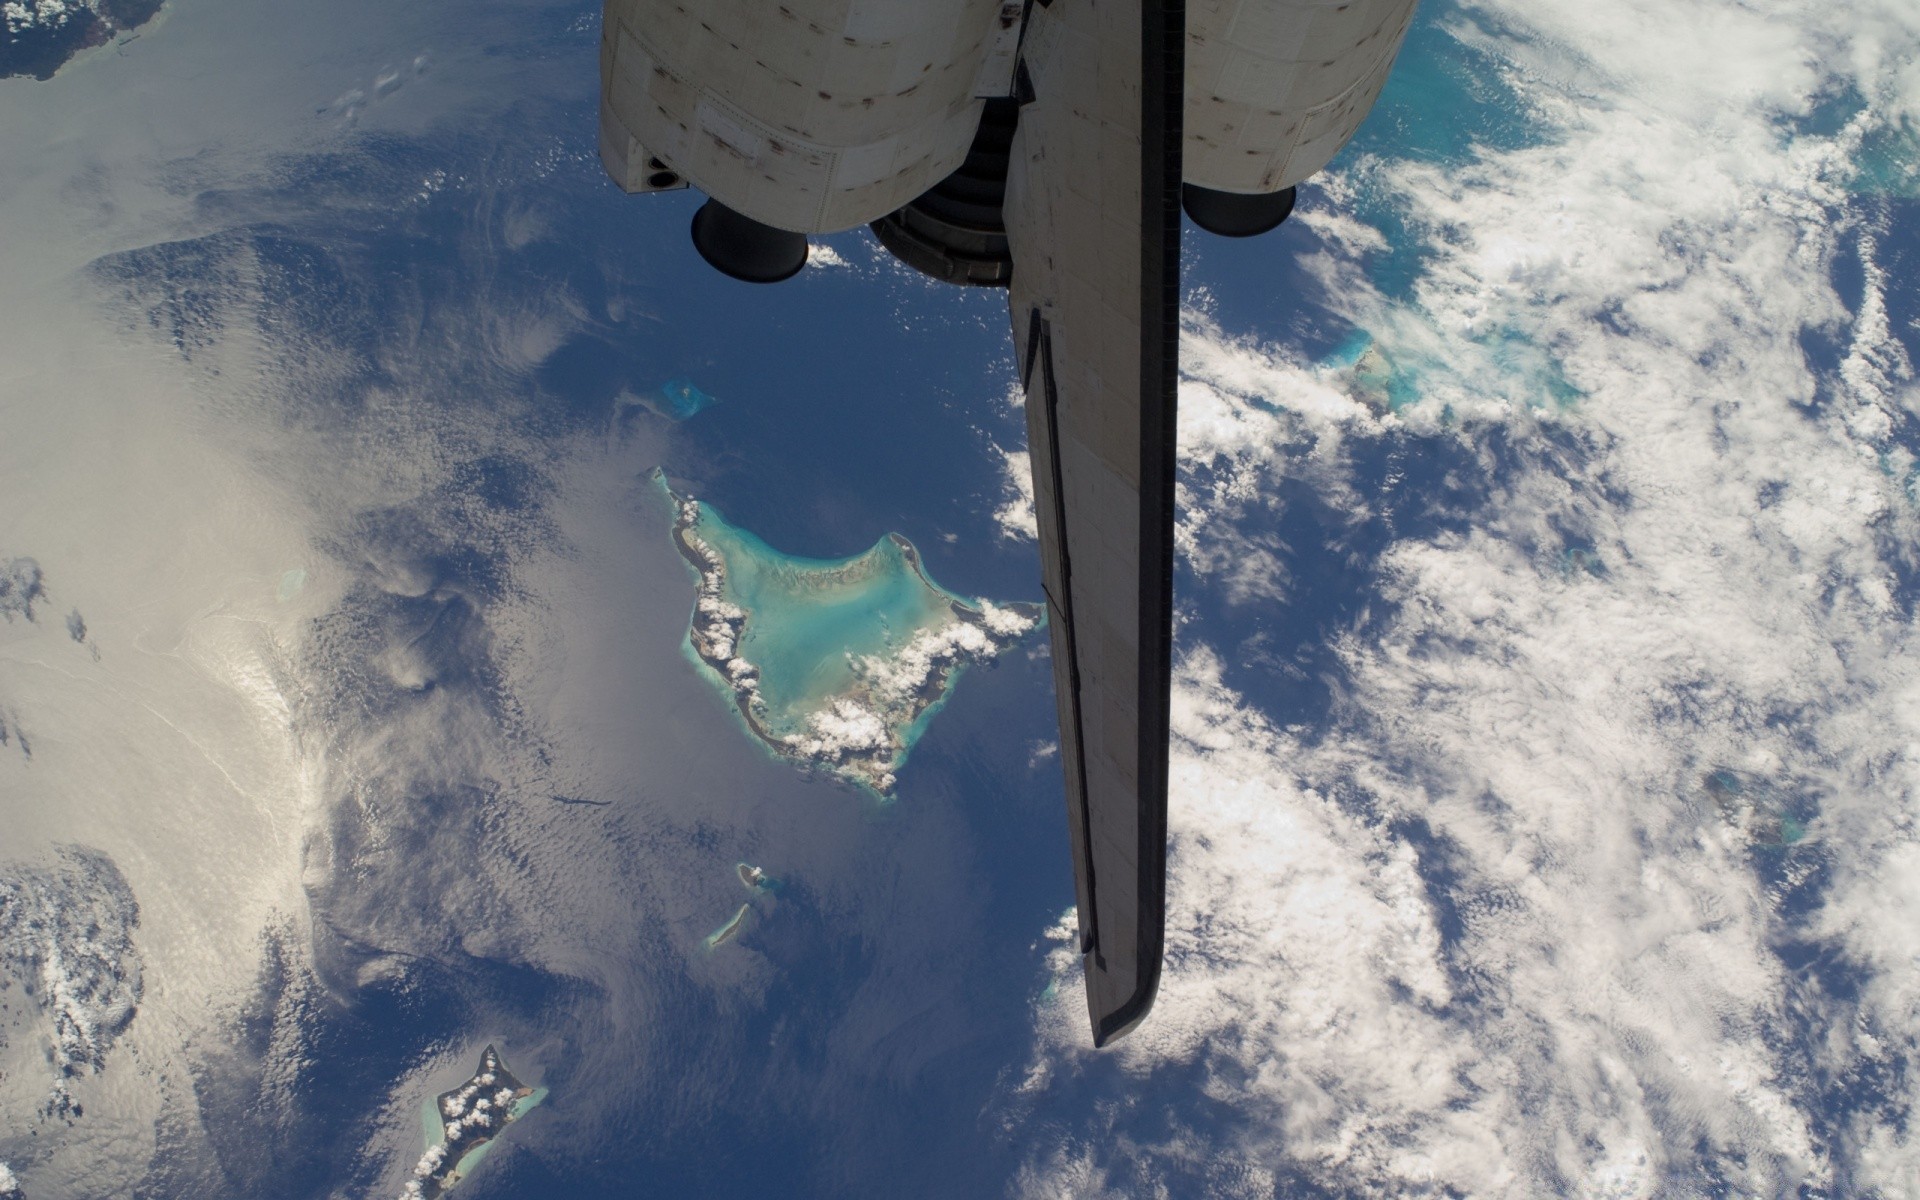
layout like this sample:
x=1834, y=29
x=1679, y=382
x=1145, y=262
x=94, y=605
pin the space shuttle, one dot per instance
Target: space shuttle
x=1046, y=147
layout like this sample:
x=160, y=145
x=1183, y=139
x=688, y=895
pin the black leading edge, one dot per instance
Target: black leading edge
x=1163, y=93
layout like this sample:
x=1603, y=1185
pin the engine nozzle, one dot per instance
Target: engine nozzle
x=1235, y=214
x=736, y=245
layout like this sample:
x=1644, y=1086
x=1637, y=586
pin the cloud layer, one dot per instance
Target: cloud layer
x=1583, y=877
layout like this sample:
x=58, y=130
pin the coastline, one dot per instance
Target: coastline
x=473, y=1117
x=863, y=732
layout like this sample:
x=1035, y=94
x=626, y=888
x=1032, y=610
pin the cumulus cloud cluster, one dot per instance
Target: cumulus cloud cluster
x=1506, y=916
x=21, y=585
x=1014, y=515
x=470, y=1115
x=862, y=734
x=21, y=16
x=66, y=939
x=717, y=621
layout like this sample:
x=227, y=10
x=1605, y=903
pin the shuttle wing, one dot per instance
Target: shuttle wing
x=1093, y=221
x=816, y=115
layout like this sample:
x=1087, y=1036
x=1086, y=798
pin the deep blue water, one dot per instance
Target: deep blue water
x=850, y=407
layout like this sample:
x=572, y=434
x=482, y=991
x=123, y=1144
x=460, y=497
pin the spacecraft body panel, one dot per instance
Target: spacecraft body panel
x=1083, y=227
x=1276, y=87
x=807, y=115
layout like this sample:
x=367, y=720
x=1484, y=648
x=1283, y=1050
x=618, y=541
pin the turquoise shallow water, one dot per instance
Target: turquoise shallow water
x=1390, y=378
x=813, y=618
x=435, y=1133
x=1772, y=813
x=677, y=399
x=1887, y=162
x=1447, y=104
x=835, y=663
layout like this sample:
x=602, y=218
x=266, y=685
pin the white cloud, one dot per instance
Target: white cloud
x=860, y=734
x=1014, y=516
x=1488, y=928
x=820, y=254
x=43, y=14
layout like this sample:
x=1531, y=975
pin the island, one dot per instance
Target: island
x=468, y=1118
x=1758, y=808
x=38, y=37
x=677, y=399
x=730, y=930
x=835, y=664
x=752, y=877
x=67, y=938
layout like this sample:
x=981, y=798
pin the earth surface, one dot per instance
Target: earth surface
x=1547, y=713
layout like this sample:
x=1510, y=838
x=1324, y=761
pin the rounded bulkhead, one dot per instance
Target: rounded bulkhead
x=1276, y=87
x=806, y=115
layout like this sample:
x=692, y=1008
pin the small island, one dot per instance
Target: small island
x=752, y=877
x=677, y=400
x=469, y=1117
x=730, y=930
x=836, y=664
